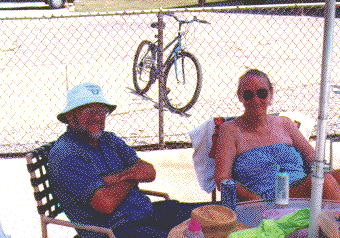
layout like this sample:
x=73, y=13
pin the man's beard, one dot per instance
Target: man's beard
x=87, y=134
x=96, y=135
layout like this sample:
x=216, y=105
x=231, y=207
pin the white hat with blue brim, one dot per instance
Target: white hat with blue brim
x=82, y=94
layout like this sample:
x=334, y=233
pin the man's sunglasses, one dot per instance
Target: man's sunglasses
x=261, y=93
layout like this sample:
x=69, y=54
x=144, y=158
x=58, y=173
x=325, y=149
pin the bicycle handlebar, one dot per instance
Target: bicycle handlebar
x=186, y=22
x=155, y=24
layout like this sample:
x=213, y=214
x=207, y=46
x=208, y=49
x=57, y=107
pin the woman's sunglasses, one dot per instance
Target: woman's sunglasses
x=261, y=93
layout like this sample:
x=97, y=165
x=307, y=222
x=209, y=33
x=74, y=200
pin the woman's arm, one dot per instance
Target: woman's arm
x=225, y=153
x=244, y=195
x=299, y=141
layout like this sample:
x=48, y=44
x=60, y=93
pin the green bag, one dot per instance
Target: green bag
x=269, y=228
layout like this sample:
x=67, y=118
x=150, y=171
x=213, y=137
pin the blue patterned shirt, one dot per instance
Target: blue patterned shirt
x=76, y=171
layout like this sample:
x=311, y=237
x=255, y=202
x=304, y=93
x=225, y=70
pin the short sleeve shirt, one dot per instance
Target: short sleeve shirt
x=76, y=172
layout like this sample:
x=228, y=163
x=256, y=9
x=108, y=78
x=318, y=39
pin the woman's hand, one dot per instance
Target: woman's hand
x=218, y=181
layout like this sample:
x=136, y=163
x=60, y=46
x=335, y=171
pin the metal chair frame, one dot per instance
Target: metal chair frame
x=48, y=207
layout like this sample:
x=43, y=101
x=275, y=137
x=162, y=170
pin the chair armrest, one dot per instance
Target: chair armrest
x=79, y=226
x=157, y=194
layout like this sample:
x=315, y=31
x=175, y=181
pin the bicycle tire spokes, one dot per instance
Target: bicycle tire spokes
x=144, y=67
x=183, y=82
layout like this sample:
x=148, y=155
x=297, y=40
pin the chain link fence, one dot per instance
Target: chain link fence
x=41, y=58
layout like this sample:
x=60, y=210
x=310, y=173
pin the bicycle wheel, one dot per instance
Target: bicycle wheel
x=144, y=67
x=182, y=91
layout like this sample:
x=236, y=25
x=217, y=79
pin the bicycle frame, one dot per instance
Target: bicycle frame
x=146, y=66
x=177, y=48
x=174, y=53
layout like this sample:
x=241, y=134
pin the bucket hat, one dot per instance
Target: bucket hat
x=81, y=95
x=217, y=221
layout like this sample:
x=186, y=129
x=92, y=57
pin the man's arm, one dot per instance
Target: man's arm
x=117, y=186
x=107, y=199
x=142, y=171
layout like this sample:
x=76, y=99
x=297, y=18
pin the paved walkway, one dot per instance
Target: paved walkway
x=19, y=217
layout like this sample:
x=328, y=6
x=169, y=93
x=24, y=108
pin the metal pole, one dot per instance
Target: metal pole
x=318, y=171
x=161, y=80
x=66, y=78
x=201, y=3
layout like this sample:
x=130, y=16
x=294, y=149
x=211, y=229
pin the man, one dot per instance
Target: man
x=95, y=175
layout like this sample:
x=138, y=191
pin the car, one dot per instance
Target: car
x=52, y=3
x=55, y=3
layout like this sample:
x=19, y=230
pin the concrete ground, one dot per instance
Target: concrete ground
x=175, y=175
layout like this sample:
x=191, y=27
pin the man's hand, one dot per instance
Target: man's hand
x=107, y=199
x=112, y=179
x=117, y=186
x=142, y=171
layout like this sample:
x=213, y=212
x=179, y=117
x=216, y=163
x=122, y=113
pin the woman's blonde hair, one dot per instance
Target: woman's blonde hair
x=255, y=72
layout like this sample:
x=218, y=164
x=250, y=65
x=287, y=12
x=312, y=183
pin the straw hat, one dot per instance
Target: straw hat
x=82, y=94
x=328, y=222
x=216, y=221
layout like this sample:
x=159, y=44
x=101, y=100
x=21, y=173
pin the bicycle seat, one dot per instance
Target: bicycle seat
x=156, y=25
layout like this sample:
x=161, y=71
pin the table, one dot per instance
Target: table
x=251, y=213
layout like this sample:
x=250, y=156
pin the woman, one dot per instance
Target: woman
x=254, y=146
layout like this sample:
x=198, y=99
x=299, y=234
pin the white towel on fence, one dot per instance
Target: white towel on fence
x=201, y=138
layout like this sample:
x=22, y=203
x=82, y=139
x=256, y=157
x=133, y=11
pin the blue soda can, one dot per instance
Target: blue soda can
x=228, y=194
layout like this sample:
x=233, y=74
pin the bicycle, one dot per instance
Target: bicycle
x=188, y=76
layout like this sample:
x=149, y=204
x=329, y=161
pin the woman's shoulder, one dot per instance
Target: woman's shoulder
x=280, y=120
x=230, y=129
x=284, y=123
x=231, y=125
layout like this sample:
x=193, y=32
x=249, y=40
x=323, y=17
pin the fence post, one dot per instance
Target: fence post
x=201, y=3
x=161, y=80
